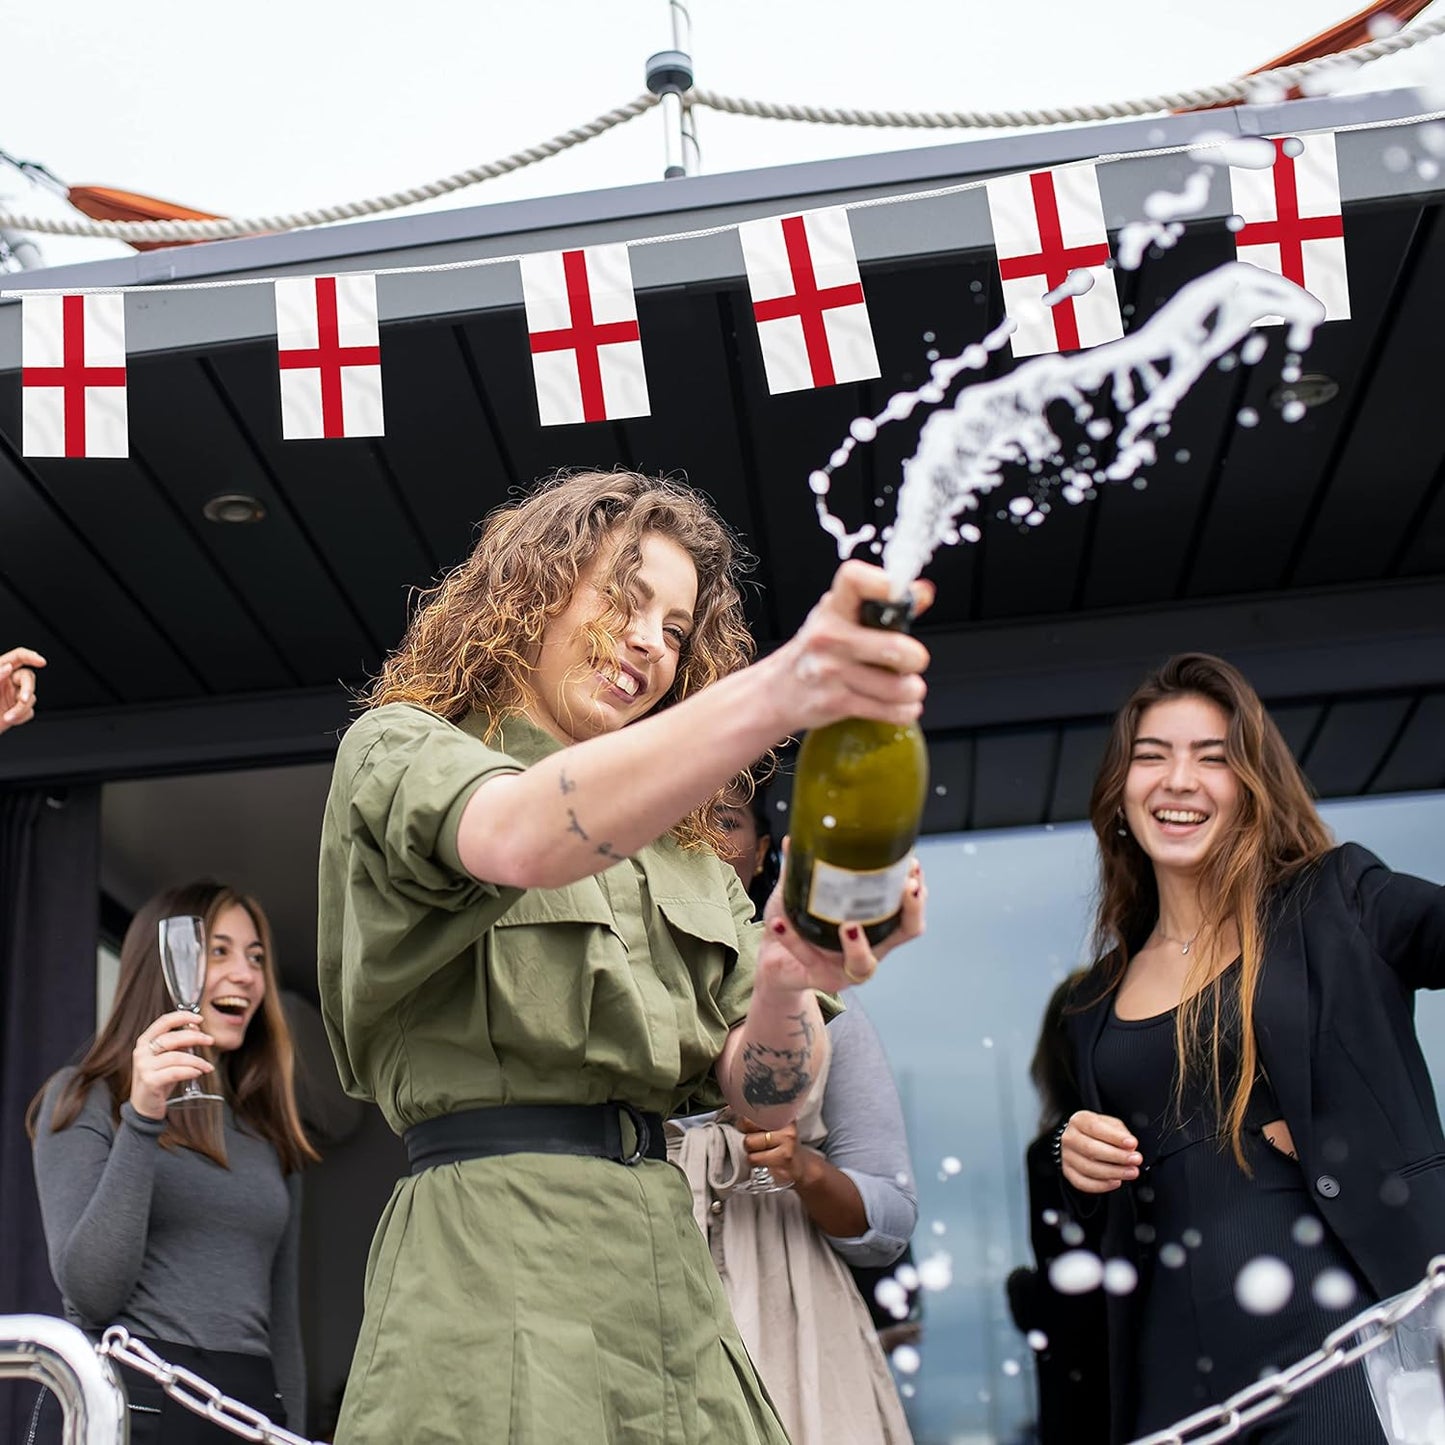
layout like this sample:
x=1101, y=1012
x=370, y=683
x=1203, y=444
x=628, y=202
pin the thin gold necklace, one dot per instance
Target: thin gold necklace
x=1185, y=944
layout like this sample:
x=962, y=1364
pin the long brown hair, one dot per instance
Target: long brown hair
x=474, y=639
x=256, y=1078
x=1275, y=832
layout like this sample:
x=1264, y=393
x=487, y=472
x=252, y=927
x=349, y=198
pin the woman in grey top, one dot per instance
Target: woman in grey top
x=183, y=1225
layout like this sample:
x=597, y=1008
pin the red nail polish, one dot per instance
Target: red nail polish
x=852, y=932
x=779, y=926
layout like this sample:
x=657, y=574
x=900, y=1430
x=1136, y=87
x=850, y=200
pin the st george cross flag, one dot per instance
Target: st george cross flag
x=1292, y=218
x=72, y=376
x=586, y=345
x=329, y=352
x=1053, y=253
x=808, y=300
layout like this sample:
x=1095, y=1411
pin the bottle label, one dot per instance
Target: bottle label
x=844, y=895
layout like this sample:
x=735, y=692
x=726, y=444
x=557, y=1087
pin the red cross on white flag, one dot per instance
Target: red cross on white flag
x=808, y=300
x=586, y=345
x=1293, y=223
x=1053, y=253
x=329, y=352
x=72, y=376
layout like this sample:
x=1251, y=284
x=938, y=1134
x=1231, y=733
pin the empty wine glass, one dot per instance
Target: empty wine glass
x=183, y=961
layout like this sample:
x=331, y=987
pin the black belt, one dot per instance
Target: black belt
x=606, y=1131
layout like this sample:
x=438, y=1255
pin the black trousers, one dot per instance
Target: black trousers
x=156, y=1419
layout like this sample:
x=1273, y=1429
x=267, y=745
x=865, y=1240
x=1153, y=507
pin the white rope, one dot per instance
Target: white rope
x=226, y=228
x=1241, y=89
x=1285, y=76
x=475, y=263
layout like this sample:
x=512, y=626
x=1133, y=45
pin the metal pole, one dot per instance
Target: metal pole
x=682, y=40
x=669, y=75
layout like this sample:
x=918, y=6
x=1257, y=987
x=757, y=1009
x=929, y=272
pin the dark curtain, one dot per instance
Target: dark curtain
x=49, y=933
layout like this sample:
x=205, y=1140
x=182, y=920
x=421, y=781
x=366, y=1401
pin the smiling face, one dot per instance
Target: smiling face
x=1180, y=794
x=571, y=697
x=235, y=977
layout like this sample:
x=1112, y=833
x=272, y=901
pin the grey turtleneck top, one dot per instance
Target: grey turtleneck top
x=168, y=1243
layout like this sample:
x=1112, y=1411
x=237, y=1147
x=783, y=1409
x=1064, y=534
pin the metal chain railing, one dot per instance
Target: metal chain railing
x=194, y=1392
x=1234, y=90
x=1367, y=1332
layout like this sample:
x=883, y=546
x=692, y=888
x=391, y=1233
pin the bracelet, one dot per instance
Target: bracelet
x=1058, y=1150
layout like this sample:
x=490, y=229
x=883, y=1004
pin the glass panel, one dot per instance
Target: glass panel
x=1010, y=915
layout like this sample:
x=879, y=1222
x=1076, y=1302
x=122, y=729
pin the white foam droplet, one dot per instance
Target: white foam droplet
x=906, y=1360
x=1293, y=410
x=819, y=482
x=1172, y=1255
x=1077, y=1271
x=839, y=458
x=1021, y=506
x=829, y=821
x=1120, y=1277
x=939, y=1227
x=1011, y=1367
x=907, y=1276
x=1308, y=1230
x=1050, y=1217
x=969, y=532
x=1264, y=1285
x=952, y=1164
x=863, y=428
x=936, y=1272
x=1037, y=1340
x=1252, y=352
x=1293, y=147
x=1248, y=416
x=1334, y=1289
x=988, y=1043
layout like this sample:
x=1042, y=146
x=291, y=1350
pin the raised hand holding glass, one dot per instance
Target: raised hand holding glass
x=183, y=962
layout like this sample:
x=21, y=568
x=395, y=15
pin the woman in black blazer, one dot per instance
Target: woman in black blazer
x=1259, y=1127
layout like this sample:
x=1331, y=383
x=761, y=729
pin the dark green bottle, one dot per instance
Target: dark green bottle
x=858, y=799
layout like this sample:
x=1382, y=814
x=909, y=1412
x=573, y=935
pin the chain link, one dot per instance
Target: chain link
x=1369, y=1331
x=194, y=1392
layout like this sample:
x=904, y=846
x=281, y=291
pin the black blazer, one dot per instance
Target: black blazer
x=1348, y=944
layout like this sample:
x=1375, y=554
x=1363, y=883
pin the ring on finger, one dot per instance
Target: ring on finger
x=769, y=1137
x=856, y=977
x=157, y=1047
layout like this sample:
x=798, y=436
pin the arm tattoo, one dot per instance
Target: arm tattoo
x=605, y=848
x=566, y=783
x=779, y=1076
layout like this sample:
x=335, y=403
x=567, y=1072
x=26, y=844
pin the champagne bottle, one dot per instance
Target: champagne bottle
x=858, y=798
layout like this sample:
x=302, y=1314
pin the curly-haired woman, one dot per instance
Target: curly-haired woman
x=1257, y=1113
x=530, y=952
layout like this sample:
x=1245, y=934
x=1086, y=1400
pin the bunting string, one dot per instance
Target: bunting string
x=1053, y=254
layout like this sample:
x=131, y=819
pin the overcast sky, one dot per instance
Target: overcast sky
x=213, y=107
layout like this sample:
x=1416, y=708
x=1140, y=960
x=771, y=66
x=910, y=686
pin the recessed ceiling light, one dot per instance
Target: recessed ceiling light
x=1314, y=388
x=233, y=507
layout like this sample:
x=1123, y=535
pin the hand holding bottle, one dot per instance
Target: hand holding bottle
x=835, y=667
x=790, y=961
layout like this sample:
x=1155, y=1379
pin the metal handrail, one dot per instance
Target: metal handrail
x=56, y=1354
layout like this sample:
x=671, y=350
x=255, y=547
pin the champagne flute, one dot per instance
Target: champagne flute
x=183, y=961
x=760, y=1178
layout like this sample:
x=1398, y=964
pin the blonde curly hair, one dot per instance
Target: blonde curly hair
x=474, y=638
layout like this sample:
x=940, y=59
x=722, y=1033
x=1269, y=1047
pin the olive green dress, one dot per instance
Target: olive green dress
x=528, y=1298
